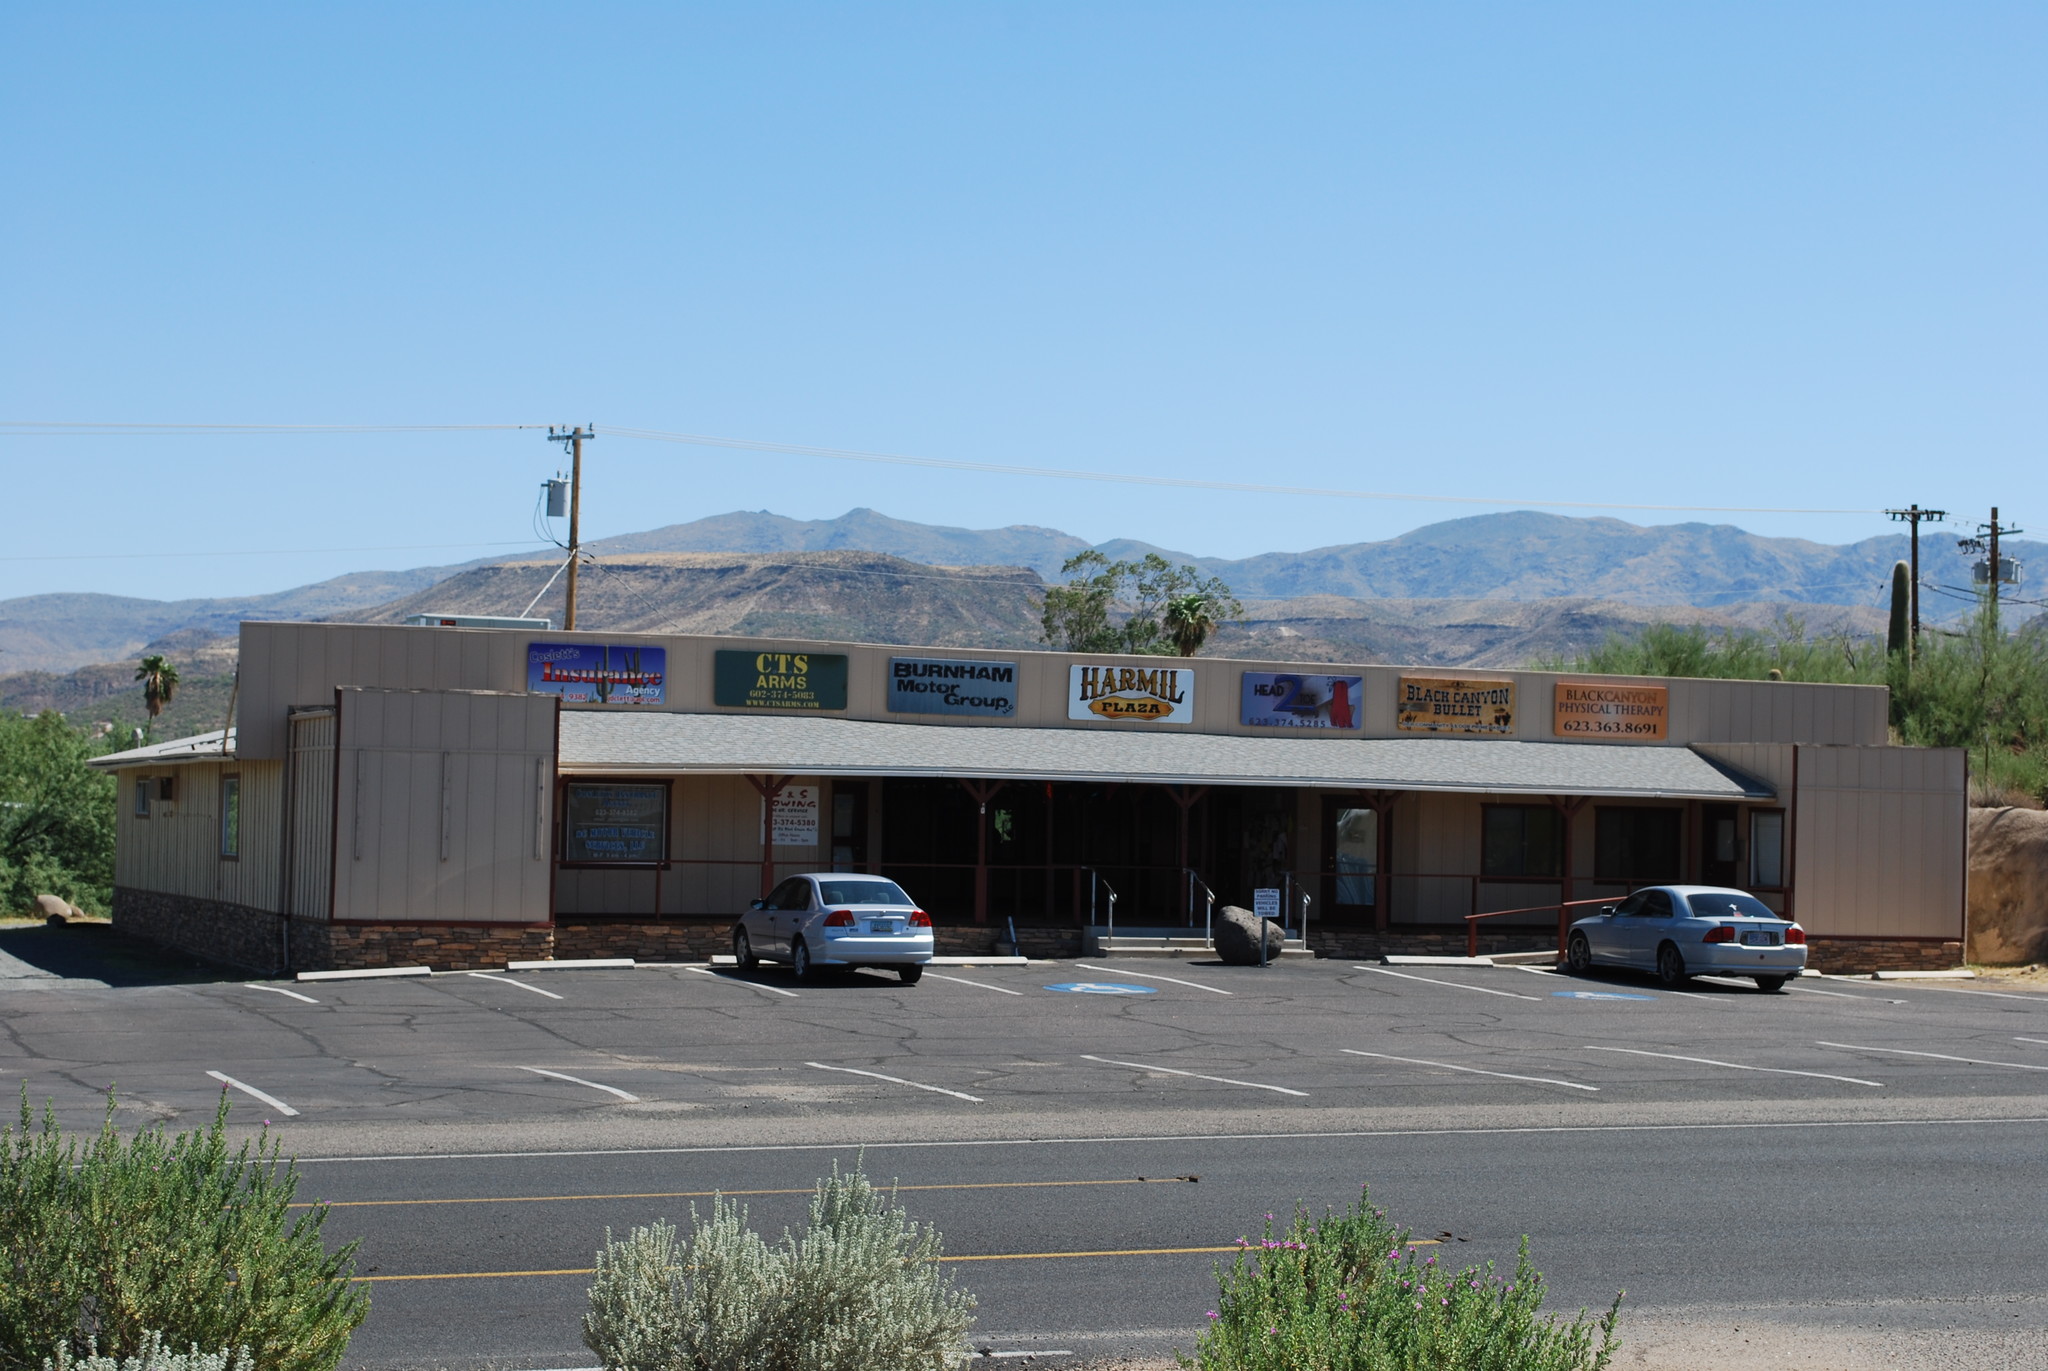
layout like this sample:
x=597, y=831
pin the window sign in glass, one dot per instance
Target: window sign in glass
x=615, y=823
x=1358, y=855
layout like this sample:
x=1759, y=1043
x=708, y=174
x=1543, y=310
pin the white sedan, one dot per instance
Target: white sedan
x=1684, y=930
x=833, y=919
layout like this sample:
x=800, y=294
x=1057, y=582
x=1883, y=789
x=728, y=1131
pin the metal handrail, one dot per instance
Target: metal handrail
x=1472, y=920
x=1209, y=908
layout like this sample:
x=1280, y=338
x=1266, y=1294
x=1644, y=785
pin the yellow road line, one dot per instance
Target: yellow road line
x=978, y=1257
x=707, y=1194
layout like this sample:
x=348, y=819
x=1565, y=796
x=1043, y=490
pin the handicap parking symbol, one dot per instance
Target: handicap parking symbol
x=1597, y=995
x=1102, y=988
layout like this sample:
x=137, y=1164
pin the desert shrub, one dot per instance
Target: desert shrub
x=153, y=1356
x=859, y=1290
x=107, y=1246
x=56, y=816
x=1345, y=1292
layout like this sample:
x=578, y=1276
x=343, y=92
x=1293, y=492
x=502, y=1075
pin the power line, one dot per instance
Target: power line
x=264, y=552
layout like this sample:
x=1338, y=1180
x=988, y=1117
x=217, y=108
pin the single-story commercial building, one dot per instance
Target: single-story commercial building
x=457, y=796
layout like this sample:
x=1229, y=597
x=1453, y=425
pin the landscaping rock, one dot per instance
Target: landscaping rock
x=1237, y=936
x=56, y=909
x=2008, y=914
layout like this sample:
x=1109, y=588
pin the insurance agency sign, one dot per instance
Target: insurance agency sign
x=597, y=674
x=1132, y=694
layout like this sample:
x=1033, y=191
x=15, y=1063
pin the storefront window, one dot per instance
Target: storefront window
x=1637, y=844
x=1767, y=848
x=1356, y=845
x=231, y=816
x=1520, y=840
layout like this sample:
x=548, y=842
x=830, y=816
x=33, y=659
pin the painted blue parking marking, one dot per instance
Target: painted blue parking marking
x=1102, y=988
x=1598, y=995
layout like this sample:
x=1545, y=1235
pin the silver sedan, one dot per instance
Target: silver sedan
x=1678, y=931
x=833, y=919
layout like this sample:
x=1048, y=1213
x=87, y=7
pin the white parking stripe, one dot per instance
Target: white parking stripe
x=979, y=985
x=1958, y=990
x=1455, y=985
x=1220, y=1080
x=2043, y=1042
x=1148, y=976
x=898, y=1080
x=774, y=989
x=487, y=976
x=1738, y=1066
x=279, y=990
x=578, y=1080
x=1938, y=1056
x=273, y=1101
x=1447, y=1066
x=1844, y=995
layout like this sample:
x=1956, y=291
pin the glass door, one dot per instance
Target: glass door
x=1351, y=857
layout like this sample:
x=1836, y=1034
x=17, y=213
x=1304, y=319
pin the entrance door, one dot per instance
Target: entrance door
x=1351, y=857
x=1720, y=849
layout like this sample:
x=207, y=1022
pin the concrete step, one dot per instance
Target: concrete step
x=1523, y=958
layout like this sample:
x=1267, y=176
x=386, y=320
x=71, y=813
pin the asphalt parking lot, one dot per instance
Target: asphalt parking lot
x=1091, y=1135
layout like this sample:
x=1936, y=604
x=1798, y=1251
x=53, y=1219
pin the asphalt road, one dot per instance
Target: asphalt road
x=1843, y=1160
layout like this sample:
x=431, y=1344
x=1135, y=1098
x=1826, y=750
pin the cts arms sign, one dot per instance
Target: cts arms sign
x=779, y=680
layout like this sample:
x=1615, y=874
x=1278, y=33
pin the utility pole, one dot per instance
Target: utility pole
x=1986, y=542
x=573, y=439
x=1914, y=515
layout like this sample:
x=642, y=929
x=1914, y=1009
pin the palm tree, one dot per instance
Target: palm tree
x=159, y=684
x=1189, y=620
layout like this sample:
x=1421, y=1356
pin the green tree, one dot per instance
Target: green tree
x=1128, y=606
x=159, y=684
x=56, y=815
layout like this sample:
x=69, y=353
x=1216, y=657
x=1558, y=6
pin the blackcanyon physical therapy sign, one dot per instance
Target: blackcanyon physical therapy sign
x=928, y=685
x=1589, y=709
x=1136, y=694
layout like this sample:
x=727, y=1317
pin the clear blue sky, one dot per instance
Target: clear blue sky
x=1772, y=254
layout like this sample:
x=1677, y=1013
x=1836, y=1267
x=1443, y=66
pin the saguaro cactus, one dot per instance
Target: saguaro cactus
x=1899, y=638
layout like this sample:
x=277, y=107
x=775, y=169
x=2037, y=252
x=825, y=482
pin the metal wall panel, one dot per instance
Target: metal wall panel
x=309, y=854
x=1880, y=841
x=177, y=849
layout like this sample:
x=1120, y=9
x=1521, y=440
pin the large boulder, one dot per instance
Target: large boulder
x=57, y=909
x=2008, y=904
x=1237, y=933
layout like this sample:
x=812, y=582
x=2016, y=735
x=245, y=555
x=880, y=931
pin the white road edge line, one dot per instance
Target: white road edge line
x=487, y=976
x=1737, y=1066
x=1504, y=1075
x=1484, y=990
x=1220, y=1080
x=273, y=1101
x=707, y=971
x=898, y=1080
x=1938, y=1056
x=979, y=985
x=1148, y=976
x=1027, y=1352
x=1534, y=970
x=578, y=1080
x=279, y=990
x=2043, y=1042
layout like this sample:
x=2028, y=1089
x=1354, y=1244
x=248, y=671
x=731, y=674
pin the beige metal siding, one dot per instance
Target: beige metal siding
x=284, y=665
x=440, y=805
x=309, y=853
x=1879, y=846
x=176, y=850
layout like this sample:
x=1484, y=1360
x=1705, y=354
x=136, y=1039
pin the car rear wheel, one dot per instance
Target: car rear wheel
x=1671, y=965
x=1578, y=955
x=1771, y=985
x=911, y=974
x=800, y=961
x=743, y=950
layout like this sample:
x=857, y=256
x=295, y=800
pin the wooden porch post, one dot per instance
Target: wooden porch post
x=1186, y=797
x=1383, y=903
x=1569, y=810
x=770, y=787
x=983, y=792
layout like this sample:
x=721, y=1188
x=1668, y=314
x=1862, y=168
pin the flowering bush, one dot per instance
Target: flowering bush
x=860, y=1290
x=1346, y=1292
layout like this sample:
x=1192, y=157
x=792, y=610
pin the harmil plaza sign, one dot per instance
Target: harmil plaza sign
x=1141, y=694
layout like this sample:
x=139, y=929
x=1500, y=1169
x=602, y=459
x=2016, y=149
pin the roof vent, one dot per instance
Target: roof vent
x=476, y=621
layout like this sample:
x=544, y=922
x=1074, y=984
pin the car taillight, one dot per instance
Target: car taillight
x=839, y=918
x=1723, y=934
x=920, y=919
x=1796, y=935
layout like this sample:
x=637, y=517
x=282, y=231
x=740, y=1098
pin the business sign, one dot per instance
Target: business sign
x=1590, y=709
x=925, y=685
x=1146, y=694
x=597, y=673
x=780, y=680
x=1279, y=699
x=614, y=823
x=794, y=820
x=1435, y=704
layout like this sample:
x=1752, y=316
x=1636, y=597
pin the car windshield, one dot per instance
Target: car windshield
x=861, y=892
x=1729, y=904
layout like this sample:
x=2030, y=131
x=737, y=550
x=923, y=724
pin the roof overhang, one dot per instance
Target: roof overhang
x=200, y=747
x=611, y=744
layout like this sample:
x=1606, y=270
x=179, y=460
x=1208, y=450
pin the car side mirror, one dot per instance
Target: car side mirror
x=757, y=904
x=1607, y=911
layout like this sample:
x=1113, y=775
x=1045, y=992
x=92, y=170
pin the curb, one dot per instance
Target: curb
x=1959, y=974
x=586, y=964
x=374, y=973
x=1400, y=959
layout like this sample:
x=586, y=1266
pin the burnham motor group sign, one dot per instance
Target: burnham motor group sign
x=1141, y=694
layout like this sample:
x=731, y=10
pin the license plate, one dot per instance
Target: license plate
x=1760, y=939
x=883, y=926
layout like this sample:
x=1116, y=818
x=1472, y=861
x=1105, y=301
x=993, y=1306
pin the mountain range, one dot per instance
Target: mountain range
x=1492, y=589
